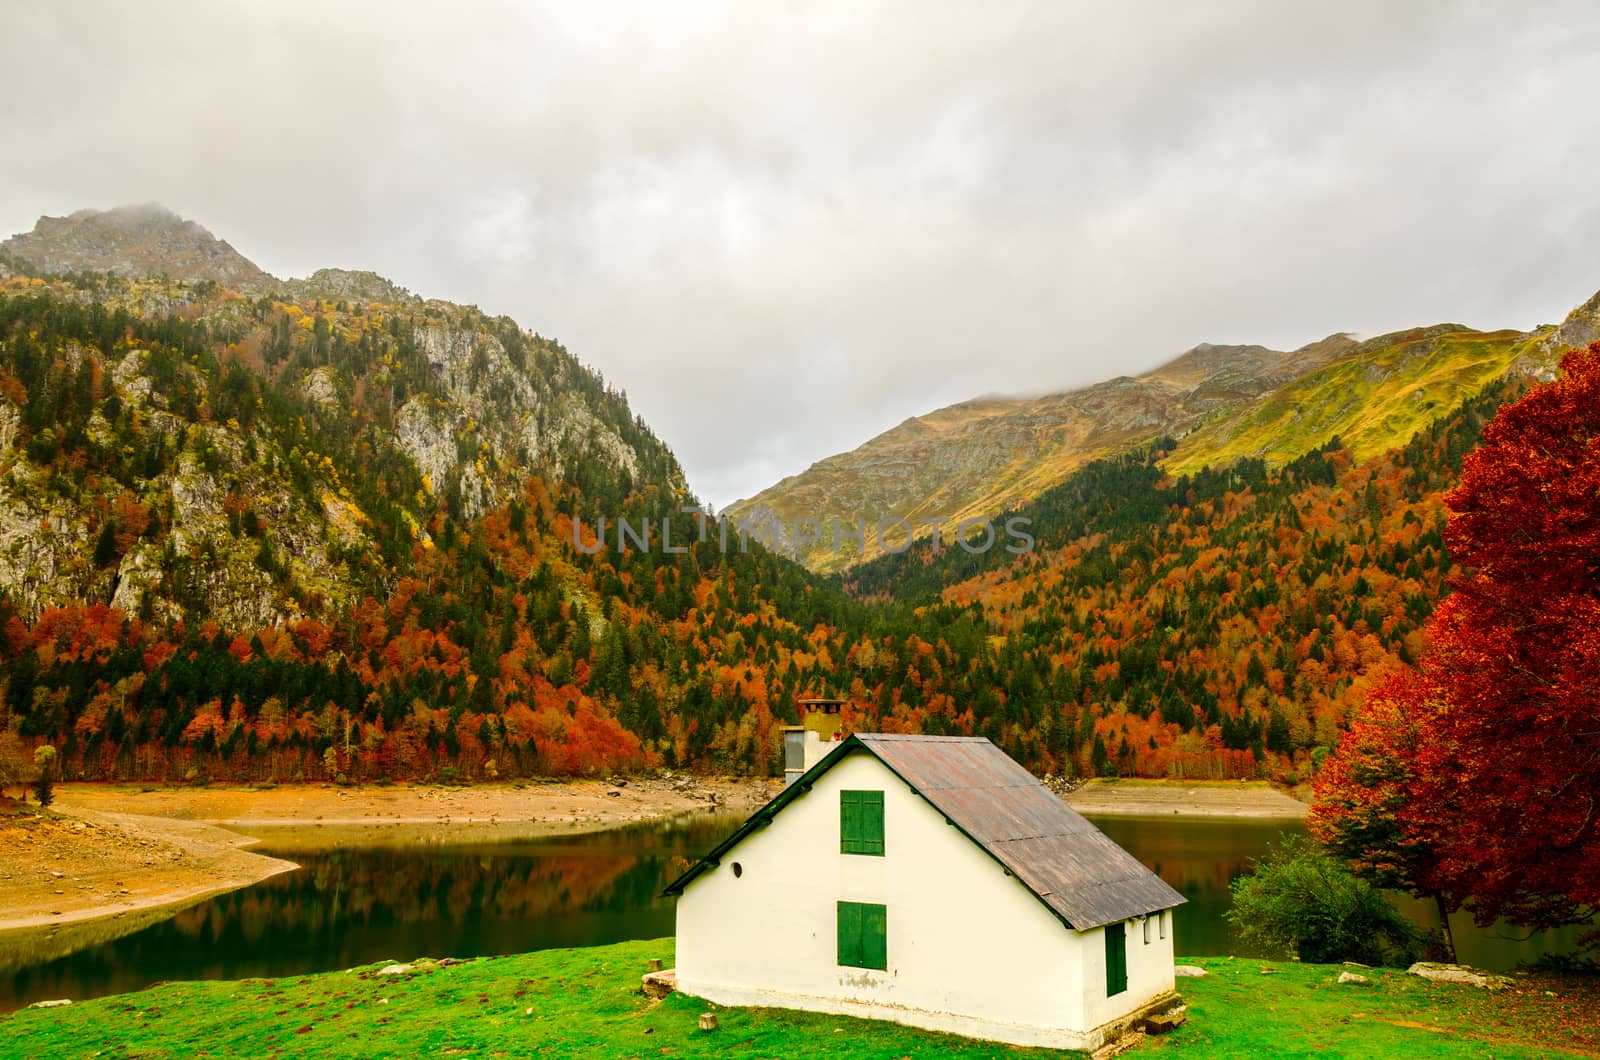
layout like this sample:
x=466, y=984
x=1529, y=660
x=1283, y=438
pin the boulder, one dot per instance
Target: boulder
x=1459, y=973
x=1190, y=971
x=397, y=969
x=1352, y=977
x=57, y=1003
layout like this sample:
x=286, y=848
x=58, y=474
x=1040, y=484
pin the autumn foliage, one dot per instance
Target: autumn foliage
x=1224, y=624
x=1486, y=763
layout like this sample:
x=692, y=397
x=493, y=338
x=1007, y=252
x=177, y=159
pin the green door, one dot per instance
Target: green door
x=1116, y=959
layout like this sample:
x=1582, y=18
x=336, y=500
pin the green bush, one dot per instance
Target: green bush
x=1301, y=901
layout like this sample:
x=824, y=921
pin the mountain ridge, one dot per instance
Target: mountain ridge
x=149, y=240
x=976, y=459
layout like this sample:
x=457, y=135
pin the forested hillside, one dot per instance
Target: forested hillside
x=327, y=530
x=1206, y=625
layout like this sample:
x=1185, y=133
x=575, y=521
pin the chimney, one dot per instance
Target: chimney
x=806, y=744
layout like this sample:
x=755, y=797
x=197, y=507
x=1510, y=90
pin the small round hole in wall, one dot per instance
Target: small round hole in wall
x=738, y=870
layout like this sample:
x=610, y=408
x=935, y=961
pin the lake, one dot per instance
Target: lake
x=350, y=905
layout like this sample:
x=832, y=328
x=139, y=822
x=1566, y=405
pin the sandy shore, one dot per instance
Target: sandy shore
x=1166, y=798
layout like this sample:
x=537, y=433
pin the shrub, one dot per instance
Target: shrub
x=1302, y=901
x=43, y=789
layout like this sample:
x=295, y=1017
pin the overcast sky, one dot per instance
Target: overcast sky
x=783, y=228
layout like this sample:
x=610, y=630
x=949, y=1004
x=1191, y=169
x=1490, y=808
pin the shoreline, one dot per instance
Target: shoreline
x=120, y=852
x=91, y=865
x=107, y=853
x=1250, y=800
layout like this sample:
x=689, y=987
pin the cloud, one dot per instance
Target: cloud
x=783, y=229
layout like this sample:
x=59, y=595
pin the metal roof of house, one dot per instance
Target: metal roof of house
x=1071, y=866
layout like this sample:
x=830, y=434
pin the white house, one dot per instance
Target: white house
x=930, y=881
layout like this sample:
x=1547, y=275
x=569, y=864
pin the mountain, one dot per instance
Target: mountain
x=1218, y=625
x=1221, y=403
x=336, y=530
x=147, y=240
x=337, y=418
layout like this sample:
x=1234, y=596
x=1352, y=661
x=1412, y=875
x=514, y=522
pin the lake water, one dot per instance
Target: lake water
x=355, y=905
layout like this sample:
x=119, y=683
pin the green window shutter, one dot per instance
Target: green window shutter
x=863, y=935
x=875, y=937
x=850, y=934
x=1116, y=959
x=872, y=823
x=848, y=821
x=861, y=822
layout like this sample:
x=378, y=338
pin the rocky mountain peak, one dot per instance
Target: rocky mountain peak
x=141, y=240
x=356, y=285
x=1581, y=327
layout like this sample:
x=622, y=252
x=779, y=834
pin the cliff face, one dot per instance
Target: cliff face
x=1222, y=403
x=186, y=437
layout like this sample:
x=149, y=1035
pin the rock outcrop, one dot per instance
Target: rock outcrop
x=162, y=496
x=147, y=240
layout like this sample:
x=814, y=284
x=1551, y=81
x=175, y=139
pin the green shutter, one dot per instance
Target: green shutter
x=850, y=934
x=1116, y=959
x=863, y=935
x=875, y=937
x=861, y=822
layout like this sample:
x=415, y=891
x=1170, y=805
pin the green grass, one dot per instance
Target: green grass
x=1374, y=402
x=1303, y=1011
x=586, y=1003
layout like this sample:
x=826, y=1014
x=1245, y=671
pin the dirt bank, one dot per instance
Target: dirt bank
x=1166, y=798
x=537, y=808
x=61, y=868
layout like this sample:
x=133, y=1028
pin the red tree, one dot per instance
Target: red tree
x=1362, y=795
x=1502, y=782
x=1517, y=652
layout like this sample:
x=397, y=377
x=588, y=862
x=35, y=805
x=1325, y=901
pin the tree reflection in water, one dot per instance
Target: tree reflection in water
x=355, y=905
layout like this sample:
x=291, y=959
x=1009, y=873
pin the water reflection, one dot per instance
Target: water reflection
x=354, y=905
x=1199, y=857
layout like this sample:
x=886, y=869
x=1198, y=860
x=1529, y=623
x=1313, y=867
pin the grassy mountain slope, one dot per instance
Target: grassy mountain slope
x=1222, y=403
x=132, y=241
x=972, y=459
x=1372, y=398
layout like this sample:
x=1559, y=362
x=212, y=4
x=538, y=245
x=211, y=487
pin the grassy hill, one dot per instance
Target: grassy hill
x=1222, y=404
x=1373, y=399
x=586, y=1002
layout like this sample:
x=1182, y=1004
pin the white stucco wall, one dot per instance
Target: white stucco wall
x=1150, y=972
x=970, y=949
